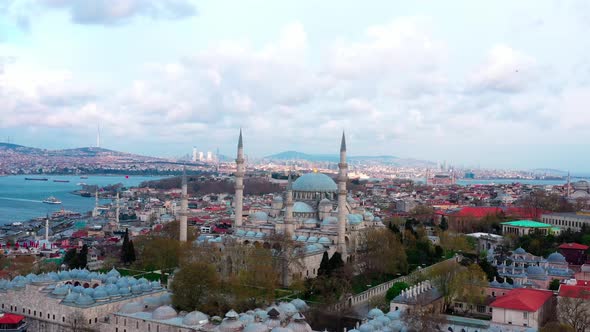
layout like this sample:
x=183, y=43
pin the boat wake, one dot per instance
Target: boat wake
x=20, y=199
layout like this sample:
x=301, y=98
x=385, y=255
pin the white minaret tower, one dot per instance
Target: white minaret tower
x=47, y=230
x=95, y=211
x=342, y=178
x=289, y=227
x=98, y=135
x=183, y=207
x=239, y=175
x=117, y=212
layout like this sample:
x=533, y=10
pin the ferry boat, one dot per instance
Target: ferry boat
x=83, y=177
x=36, y=179
x=51, y=200
x=64, y=181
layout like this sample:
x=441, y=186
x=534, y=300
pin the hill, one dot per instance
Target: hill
x=386, y=160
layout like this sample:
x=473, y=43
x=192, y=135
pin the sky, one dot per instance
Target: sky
x=494, y=84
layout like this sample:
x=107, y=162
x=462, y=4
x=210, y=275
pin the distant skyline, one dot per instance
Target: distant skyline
x=503, y=84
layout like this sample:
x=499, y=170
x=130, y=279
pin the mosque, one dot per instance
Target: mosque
x=315, y=211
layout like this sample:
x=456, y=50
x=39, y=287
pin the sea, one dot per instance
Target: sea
x=22, y=200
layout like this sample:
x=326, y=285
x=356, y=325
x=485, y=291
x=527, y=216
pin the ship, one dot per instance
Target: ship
x=51, y=200
x=85, y=193
x=64, y=181
x=36, y=179
x=83, y=177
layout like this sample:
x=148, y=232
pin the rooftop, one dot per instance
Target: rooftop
x=576, y=291
x=523, y=299
x=573, y=246
x=527, y=223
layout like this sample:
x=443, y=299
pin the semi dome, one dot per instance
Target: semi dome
x=299, y=304
x=195, y=318
x=315, y=182
x=556, y=258
x=164, y=312
x=535, y=270
x=302, y=207
x=131, y=308
x=520, y=251
x=260, y=216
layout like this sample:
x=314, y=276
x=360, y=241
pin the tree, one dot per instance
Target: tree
x=421, y=319
x=157, y=253
x=335, y=262
x=131, y=254
x=324, y=265
x=556, y=327
x=383, y=253
x=395, y=290
x=442, y=276
x=575, y=311
x=554, y=285
x=444, y=224
x=468, y=285
x=71, y=258
x=193, y=285
x=83, y=257
x=125, y=248
x=76, y=322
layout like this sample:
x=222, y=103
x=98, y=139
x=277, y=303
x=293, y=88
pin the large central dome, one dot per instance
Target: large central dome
x=315, y=182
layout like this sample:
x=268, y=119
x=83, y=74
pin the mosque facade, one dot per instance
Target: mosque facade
x=315, y=211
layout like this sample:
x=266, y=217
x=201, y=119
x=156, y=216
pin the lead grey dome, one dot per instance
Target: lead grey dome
x=164, y=312
x=315, y=182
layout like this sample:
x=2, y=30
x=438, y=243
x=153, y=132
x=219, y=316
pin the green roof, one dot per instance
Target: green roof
x=527, y=223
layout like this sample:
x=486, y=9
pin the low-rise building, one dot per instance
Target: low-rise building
x=574, y=253
x=526, y=227
x=567, y=220
x=523, y=307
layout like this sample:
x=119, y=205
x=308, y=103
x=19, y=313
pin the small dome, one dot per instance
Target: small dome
x=88, y=291
x=325, y=201
x=246, y=318
x=166, y=298
x=315, y=182
x=71, y=297
x=131, y=308
x=152, y=302
x=312, y=239
x=535, y=270
x=164, y=312
x=231, y=323
x=374, y=313
x=78, y=289
x=124, y=291
x=520, y=251
x=288, y=309
x=299, y=304
x=250, y=234
x=260, y=216
x=325, y=241
x=195, y=318
x=366, y=327
x=302, y=207
x=136, y=289
x=100, y=293
x=354, y=219
x=330, y=221
x=556, y=258
x=281, y=329
x=84, y=300
x=277, y=198
x=60, y=291
x=255, y=327
x=394, y=315
x=112, y=290
x=113, y=273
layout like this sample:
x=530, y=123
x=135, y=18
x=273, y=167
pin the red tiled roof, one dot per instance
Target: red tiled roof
x=11, y=319
x=573, y=246
x=476, y=211
x=577, y=291
x=523, y=299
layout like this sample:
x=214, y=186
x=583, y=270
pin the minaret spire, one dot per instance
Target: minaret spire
x=342, y=208
x=117, y=211
x=183, y=207
x=289, y=208
x=239, y=176
x=568, y=184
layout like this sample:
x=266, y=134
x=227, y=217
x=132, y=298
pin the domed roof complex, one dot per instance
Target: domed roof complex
x=556, y=258
x=315, y=182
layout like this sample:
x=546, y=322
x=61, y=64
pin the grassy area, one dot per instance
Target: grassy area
x=151, y=276
x=361, y=283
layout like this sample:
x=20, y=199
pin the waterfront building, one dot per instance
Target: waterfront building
x=567, y=220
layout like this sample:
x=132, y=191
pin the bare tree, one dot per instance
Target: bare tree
x=575, y=311
x=422, y=319
x=76, y=322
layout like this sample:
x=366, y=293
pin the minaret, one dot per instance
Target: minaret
x=183, y=207
x=342, y=178
x=568, y=185
x=47, y=229
x=98, y=135
x=117, y=212
x=95, y=211
x=239, y=175
x=289, y=227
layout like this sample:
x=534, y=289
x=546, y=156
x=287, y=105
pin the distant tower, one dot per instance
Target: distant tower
x=195, y=154
x=239, y=175
x=117, y=212
x=289, y=208
x=183, y=207
x=342, y=178
x=201, y=156
x=209, y=156
x=98, y=135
